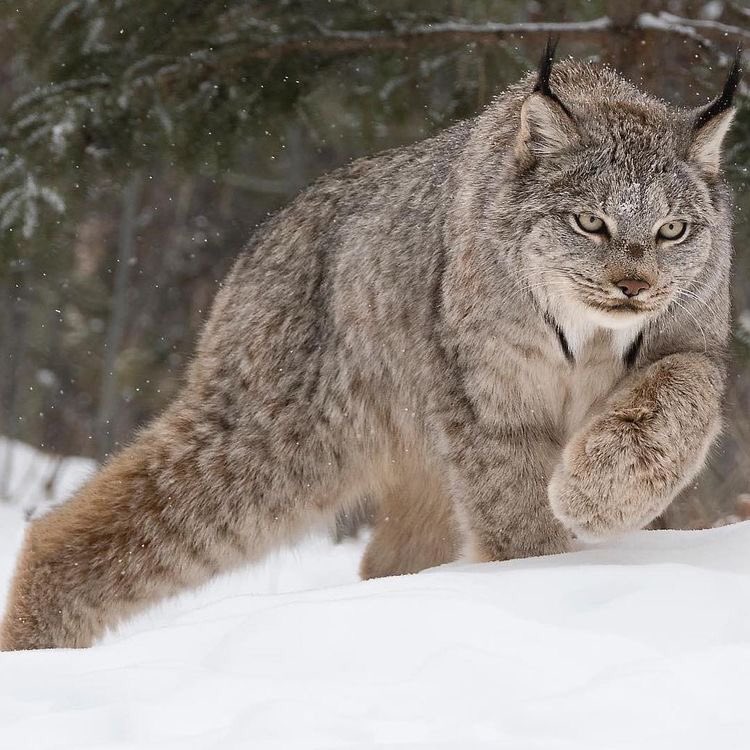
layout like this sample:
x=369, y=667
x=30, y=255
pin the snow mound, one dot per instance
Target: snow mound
x=642, y=644
x=30, y=478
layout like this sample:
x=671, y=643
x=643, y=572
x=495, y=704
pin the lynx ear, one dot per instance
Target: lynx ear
x=546, y=123
x=712, y=122
x=545, y=127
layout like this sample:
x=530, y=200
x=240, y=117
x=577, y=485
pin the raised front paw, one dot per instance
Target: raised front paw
x=616, y=475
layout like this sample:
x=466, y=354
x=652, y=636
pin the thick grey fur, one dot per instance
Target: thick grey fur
x=430, y=328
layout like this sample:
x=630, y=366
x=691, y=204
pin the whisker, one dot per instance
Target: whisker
x=693, y=295
x=695, y=320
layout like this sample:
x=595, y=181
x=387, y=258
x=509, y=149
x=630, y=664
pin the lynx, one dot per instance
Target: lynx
x=510, y=335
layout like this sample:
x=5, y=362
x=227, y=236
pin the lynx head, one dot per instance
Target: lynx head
x=620, y=196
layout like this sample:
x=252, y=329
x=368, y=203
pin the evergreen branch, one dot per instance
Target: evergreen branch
x=331, y=42
x=52, y=90
x=724, y=29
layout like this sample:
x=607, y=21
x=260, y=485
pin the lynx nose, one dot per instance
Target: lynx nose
x=632, y=287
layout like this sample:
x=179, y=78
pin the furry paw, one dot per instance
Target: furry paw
x=616, y=475
x=546, y=537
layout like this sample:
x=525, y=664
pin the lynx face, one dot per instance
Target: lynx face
x=648, y=223
x=620, y=200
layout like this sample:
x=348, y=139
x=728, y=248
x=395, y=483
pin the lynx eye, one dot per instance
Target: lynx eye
x=672, y=230
x=590, y=223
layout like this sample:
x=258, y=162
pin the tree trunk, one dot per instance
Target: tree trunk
x=118, y=315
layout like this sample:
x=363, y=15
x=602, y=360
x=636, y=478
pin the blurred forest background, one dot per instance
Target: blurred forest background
x=142, y=140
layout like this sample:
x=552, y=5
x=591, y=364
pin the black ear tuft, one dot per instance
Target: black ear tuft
x=545, y=66
x=545, y=71
x=725, y=100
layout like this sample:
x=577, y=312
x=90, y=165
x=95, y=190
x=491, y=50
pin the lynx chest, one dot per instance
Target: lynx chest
x=565, y=389
x=554, y=388
x=598, y=365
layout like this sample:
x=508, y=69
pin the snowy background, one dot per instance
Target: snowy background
x=642, y=643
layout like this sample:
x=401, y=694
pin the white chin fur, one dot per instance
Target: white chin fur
x=579, y=322
x=614, y=321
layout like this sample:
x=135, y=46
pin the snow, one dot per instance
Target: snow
x=24, y=472
x=639, y=643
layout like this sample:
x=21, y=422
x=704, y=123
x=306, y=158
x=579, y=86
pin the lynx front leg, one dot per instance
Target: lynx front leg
x=499, y=483
x=625, y=467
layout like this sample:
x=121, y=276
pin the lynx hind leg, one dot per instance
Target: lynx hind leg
x=159, y=518
x=415, y=528
x=95, y=559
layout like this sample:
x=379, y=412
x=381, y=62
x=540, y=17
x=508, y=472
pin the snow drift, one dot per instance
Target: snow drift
x=642, y=643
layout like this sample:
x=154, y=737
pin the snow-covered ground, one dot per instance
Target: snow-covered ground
x=642, y=643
